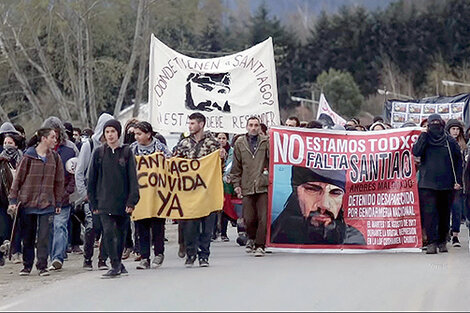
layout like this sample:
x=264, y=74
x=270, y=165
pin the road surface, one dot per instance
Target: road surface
x=278, y=281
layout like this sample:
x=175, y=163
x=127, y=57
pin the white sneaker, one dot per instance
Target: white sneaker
x=250, y=246
x=16, y=258
x=56, y=265
x=259, y=252
x=158, y=261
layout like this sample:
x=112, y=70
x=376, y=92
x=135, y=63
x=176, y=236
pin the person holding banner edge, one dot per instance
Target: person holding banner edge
x=437, y=183
x=147, y=144
x=197, y=232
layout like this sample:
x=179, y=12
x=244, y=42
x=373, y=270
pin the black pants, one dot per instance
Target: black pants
x=75, y=230
x=224, y=224
x=157, y=226
x=17, y=245
x=255, y=213
x=180, y=233
x=114, y=235
x=217, y=227
x=92, y=224
x=136, y=238
x=129, y=244
x=435, y=213
x=29, y=227
x=5, y=227
x=197, y=235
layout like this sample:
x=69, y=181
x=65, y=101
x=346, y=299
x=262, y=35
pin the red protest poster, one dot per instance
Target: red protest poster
x=343, y=190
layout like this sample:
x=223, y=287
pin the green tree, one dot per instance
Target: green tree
x=345, y=41
x=289, y=70
x=341, y=92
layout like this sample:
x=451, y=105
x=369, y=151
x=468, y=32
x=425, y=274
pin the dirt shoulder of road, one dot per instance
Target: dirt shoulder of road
x=12, y=284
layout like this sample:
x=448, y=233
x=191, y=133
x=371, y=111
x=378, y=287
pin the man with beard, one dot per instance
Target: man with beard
x=440, y=172
x=313, y=212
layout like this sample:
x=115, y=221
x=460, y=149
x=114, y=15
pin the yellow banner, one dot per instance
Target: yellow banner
x=178, y=188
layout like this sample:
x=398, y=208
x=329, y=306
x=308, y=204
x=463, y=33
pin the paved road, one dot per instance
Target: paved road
x=279, y=281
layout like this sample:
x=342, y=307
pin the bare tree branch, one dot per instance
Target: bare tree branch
x=89, y=75
x=130, y=65
x=20, y=76
x=143, y=60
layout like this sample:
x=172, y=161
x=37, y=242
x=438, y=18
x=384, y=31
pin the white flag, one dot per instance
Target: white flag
x=324, y=108
x=226, y=90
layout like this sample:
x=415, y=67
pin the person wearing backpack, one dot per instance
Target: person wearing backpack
x=91, y=222
x=38, y=187
x=113, y=192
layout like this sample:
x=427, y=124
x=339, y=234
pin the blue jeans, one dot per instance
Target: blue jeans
x=60, y=234
x=457, y=210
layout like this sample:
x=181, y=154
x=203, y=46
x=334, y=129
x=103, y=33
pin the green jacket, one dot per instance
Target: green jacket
x=250, y=170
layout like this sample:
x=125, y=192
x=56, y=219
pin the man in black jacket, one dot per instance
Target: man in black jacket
x=313, y=213
x=440, y=172
x=113, y=192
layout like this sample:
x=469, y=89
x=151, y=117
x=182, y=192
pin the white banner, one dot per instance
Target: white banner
x=227, y=90
x=324, y=108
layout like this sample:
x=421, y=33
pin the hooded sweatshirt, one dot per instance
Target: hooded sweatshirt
x=441, y=159
x=112, y=180
x=7, y=128
x=67, y=150
x=84, y=158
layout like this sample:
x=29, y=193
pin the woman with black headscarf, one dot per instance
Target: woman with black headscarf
x=440, y=171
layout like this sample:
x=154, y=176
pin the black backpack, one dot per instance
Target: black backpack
x=126, y=150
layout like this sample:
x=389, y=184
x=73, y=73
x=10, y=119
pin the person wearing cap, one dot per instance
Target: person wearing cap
x=326, y=120
x=313, y=212
x=7, y=128
x=378, y=118
x=437, y=183
x=377, y=126
x=353, y=122
x=250, y=178
x=113, y=192
x=455, y=128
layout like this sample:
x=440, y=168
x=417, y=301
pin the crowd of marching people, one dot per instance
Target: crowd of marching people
x=67, y=190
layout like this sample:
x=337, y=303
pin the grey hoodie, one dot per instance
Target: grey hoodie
x=8, y=127
x=84, y=158
x=55, y=123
